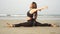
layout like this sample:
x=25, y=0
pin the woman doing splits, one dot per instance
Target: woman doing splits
x=31, y=17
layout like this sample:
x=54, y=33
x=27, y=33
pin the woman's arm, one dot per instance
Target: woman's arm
x=38, y=9
x=42, y=8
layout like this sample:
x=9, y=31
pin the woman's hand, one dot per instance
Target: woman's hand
x=42, y=8
x=45, y=7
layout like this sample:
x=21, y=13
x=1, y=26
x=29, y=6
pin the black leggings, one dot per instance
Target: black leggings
x=31, y=23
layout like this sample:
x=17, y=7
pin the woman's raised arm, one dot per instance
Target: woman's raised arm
x=42, y=8
x=38, y=9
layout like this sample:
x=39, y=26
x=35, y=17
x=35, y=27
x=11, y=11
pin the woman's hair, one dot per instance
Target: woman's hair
x=35, y=5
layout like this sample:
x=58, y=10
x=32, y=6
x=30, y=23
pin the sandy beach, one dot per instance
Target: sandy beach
x=16, y=11
x=28, y=30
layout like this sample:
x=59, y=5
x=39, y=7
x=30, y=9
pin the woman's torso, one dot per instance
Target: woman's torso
x=29, y=15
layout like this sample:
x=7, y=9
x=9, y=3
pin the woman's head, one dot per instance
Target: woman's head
x=33, y=5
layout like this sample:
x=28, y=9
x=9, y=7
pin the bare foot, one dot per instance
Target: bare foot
x=9, y=25
x=54, y=25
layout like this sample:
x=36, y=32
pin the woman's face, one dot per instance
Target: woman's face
x=32, y=6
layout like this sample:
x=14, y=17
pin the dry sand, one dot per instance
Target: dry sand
x=28, y=30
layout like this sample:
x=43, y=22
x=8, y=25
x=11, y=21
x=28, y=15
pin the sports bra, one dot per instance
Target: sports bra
x=30, y=15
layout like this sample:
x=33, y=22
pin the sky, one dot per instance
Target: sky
x=22, y=6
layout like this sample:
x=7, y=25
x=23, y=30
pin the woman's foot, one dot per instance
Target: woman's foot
x=9, y=25
x=54, y=25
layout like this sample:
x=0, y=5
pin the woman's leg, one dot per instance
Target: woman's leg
x=25, y=24
x=37, y=23
x=45, y=24
x=16, y=25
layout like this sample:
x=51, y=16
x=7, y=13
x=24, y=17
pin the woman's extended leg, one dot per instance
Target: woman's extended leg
x=25, y=24
x=45, y=24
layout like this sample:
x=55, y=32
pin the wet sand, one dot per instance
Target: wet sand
x=28, y=30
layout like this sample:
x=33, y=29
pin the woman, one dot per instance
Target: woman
x=31, y=17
